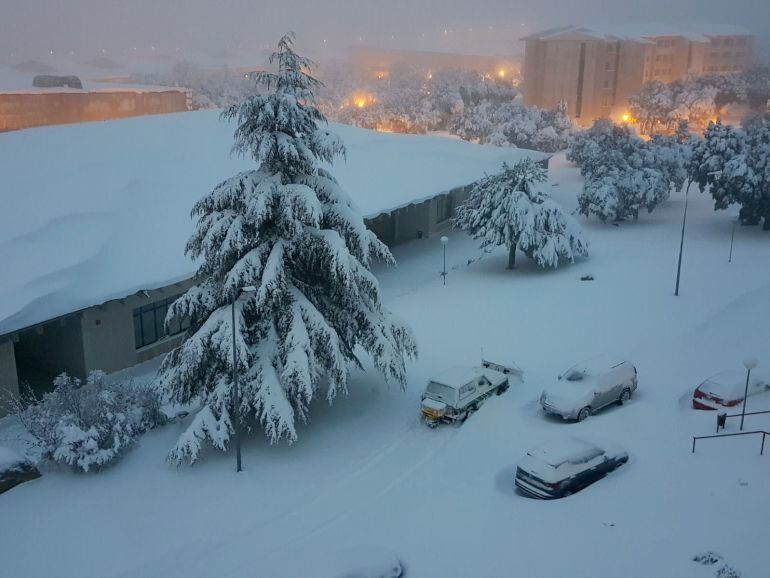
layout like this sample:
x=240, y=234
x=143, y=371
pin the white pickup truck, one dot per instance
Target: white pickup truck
x=456, y=393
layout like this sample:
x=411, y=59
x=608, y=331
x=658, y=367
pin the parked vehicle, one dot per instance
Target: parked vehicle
x=726, y=389
x=563, y=467
x=589, y=386
x=457, y=393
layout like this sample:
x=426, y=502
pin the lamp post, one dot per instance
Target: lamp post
x=749, y=363
x=444, y=241
x=236, y=388
x=681, y=241
x=734, y=215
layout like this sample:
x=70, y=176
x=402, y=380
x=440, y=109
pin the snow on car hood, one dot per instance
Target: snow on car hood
x=565, y=394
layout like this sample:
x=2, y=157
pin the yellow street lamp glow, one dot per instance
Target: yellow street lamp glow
x=501, y=73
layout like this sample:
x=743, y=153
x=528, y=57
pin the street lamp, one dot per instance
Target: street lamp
x=236, y=390
x=444, y=241
x=734, y=215
x=749, y=363
x=681, y=241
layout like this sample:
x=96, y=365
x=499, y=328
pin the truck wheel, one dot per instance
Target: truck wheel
x=624, y=397
x=471, y=409
x=584, y=413
x=502, y=389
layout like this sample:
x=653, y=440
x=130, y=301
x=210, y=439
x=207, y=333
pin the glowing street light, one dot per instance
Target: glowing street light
x=501, y=73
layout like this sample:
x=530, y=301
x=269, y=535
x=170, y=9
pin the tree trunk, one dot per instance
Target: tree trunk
x=512, y=256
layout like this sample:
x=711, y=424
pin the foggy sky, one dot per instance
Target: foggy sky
x=82, y=29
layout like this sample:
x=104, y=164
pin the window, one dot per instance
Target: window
x=149, y=323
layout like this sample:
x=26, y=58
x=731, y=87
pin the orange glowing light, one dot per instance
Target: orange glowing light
x=501, y=73
x=360, y=102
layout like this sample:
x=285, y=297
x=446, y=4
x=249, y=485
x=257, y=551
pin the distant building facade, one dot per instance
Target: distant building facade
x=47, y=107
x=595, y=72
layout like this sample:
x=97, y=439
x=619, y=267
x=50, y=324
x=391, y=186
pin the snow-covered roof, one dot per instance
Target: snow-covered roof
x=566, y=449
x=98, y=211
x=641, y=32
x=593, y=366
x=456, y=377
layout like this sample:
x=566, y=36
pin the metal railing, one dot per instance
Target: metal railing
x=742, y=433
x=723, y=417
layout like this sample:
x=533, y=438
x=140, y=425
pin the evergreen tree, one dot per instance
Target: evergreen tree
x=506, y=209
x=720, y=147
x=624, y=174
x=289, y=231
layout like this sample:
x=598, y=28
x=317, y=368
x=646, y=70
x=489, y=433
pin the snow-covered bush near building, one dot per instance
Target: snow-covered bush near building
x=732, y=164
x=88, y=425
x=288, y=231
x=506, y=209
x=624, y=174
x=513, y=124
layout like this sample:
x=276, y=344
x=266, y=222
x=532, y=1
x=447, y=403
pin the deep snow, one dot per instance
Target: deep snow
x=99, y=211
x=367, y=472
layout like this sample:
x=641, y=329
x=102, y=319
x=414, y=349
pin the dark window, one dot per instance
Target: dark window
x=149, y=322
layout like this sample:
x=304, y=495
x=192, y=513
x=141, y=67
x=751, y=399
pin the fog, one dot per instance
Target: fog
x=240, y=30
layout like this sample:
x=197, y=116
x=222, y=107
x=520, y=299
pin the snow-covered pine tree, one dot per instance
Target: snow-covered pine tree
x=287, y=229
x=623, y=174
x=736, y=166
x=506, y=209
x=711, y=155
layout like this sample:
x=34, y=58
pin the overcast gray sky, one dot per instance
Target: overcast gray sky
x=87, y=28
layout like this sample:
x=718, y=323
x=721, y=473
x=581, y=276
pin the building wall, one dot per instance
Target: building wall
x=108, y=331
x=9, y=381
x=595, y=77
x=25, y=110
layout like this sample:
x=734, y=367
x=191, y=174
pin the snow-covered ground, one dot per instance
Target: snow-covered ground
x=366, y=473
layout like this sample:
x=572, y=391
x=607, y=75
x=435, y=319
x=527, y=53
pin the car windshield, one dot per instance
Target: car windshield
x=575, y=375
x=440, y=391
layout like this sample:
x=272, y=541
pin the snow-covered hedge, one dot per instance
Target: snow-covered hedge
x=88, y=425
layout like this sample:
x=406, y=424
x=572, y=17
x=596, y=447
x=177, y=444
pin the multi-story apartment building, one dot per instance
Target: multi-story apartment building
x=596, y=71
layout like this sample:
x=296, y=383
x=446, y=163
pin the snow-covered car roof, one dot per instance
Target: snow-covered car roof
x=566, y=450
x=730, y=385
x=98, y=211
x=456, y=377
x=592, y=366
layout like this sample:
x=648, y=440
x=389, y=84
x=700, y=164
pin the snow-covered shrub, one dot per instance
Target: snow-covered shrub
x=506, y=209
x=88, y=425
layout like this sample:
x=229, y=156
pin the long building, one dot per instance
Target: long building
x=96, y=217
x=595, y=71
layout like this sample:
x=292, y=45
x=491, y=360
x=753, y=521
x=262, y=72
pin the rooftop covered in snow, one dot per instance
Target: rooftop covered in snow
x=641, y=32
x=98, y=211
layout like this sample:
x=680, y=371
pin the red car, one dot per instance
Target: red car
x=726, y=389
